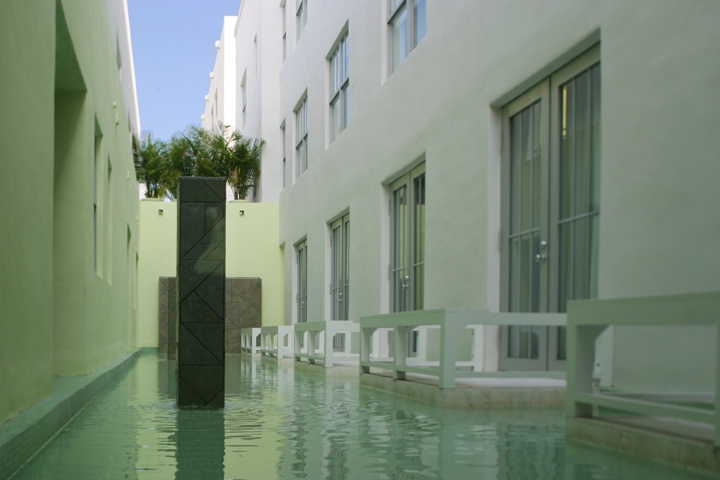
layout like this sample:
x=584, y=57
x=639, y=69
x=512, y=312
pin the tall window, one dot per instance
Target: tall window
x=284, y=156
x=339, y=83
x=96, y=160
x=108, y=219
x=284, y=30
x=408, y=241
x=301, y=16
x=340, y=273
x=406, y=28
x=301, y=138
x=301, y=281
x=243, y=87
x=550, y=206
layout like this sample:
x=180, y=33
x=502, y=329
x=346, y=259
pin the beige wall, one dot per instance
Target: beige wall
x=158, y=258
x=251, y=251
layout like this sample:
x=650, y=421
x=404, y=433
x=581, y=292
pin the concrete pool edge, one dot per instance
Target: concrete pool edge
x=688, y=453
x=23, y=436
x=473, y=397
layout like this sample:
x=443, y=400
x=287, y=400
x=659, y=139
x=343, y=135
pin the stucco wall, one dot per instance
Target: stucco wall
x=252, y=251
x=60, y=82
x=26, y=236
x=658, y=220
x=158, y=258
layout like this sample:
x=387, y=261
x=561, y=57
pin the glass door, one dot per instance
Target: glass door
x=525, y=227
x=407, y=269
x=301, y=281
x=550, y=208
x=340, y=275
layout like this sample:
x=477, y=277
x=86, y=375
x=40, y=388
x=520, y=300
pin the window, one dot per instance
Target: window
x=96, y=159
x=340, y=274
x=339, y=83
x=301, y=249
x=550, y=206
x=407, y=209
x=301, y=138
x=284, y=30
x=406, y=29
x=301, y=16
x=284, y=157
x=108, y=219
x=243, y=87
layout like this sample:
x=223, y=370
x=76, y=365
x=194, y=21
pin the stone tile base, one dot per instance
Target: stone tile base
x=24, y=435
x=469, y=397
x=274, y=360
x=648, y=442
x=334, y=371
x=167, y=317
x=243, y=309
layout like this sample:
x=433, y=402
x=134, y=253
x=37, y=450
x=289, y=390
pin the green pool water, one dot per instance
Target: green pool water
x=279, y=423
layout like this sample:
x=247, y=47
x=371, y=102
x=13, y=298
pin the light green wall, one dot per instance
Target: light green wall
x=158, y=258
x=69, y=292
x=26, y=192
x=252, y=251
x=58, y=315
x=659, y=224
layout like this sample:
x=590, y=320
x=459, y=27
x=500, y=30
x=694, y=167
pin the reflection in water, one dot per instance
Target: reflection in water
x=278, y=423
x=199, y=434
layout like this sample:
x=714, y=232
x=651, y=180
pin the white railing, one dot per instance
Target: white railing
x=587, y=319
x=323, y=332
x=248, y=340
x=452, y=322
x=272, y=341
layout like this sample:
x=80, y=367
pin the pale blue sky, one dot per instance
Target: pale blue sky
x=174, y=52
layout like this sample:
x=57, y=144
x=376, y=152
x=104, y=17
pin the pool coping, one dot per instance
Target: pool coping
x=470, y=397
x=25, y=435
x=691, y=453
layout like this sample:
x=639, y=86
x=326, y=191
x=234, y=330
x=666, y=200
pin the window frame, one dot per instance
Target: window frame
x=548, y=92
x=301, y=137
x=284, y=154
x=412, y=283
x=283, y=6
x=339, y=267
x=301, y=281
x=243, y=90
x=395, y=9
x=301, y=18
x=339, y=84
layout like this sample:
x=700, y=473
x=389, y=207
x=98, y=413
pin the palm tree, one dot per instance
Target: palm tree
x=183, y=152
x=150, y=156
x=204, y=153
x=243, y=164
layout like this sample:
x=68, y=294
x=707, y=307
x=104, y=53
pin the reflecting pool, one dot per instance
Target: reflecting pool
x=284, y=424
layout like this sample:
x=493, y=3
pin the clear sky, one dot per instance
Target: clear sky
x=174, y=52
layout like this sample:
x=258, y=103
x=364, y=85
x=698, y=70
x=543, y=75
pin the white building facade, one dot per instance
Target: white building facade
x=512, y=156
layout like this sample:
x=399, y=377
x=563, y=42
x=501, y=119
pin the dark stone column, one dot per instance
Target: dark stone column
x=201, y=292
